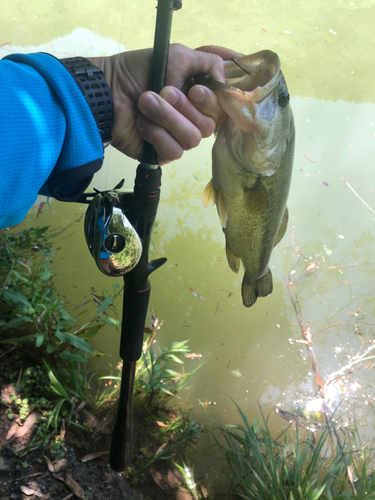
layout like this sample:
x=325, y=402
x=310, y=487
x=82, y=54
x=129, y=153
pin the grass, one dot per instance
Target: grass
x=53, y=344
x=259, y=468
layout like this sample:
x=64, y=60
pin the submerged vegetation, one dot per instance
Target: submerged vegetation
x=53, y=388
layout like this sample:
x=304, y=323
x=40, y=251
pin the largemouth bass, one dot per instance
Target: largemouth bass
x=252, y=161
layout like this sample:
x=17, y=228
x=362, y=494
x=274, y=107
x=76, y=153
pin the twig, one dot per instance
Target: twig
x=357, y=195
x=332, y=376
x=8, y=351
x=69, y=496
x=30, y=475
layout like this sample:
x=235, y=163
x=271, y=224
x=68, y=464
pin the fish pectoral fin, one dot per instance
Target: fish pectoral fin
x=282, y=228
x=233, y=259
x=222, y=209
x=256, y=199
x=209, y=195
x=261, y=287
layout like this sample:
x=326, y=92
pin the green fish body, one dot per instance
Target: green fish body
x=252, y=162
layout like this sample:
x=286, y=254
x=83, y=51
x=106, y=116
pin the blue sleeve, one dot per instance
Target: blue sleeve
x=49, y=141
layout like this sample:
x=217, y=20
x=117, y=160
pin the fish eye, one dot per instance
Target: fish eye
x=283, y=100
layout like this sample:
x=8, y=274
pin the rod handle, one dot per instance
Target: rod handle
x=134, y=313
x=122, y=435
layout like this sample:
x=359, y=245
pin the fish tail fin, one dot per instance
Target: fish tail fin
x=258, y=288
x=265, y=284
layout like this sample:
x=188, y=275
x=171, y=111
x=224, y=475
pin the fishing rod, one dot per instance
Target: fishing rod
x=118, y=228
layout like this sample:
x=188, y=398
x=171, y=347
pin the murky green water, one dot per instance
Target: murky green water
x=326, y=51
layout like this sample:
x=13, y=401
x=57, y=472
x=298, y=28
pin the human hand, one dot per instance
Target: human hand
x=170, y=121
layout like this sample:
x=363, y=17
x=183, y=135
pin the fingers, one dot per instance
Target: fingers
x=172, y=124
x=204, y=122
x=207, y=103
x=165, y=128
x=225, y=54
x=185, y=63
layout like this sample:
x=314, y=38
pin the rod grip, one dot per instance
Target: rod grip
x=134, y=313
x=122, y=436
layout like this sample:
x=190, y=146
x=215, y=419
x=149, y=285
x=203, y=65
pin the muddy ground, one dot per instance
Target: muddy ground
x=72, y=472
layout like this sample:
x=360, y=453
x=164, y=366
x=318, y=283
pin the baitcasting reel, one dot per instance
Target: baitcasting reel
x=112, y=240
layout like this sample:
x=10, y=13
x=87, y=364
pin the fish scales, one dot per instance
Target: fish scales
x=252, y=161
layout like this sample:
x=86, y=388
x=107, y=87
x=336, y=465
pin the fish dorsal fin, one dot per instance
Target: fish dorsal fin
x=282, y=228
x=222, y=209
x=209, y=195
x=233, y=259
x=256, y=199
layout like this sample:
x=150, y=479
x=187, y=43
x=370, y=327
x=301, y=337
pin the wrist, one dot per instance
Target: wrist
x=92, y=82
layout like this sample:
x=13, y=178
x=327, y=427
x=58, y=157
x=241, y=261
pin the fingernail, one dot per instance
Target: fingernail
x=198, y=95
x=171, y=96
x=148, y=103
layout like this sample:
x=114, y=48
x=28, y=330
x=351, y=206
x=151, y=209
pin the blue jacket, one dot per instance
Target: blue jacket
x=49, y=141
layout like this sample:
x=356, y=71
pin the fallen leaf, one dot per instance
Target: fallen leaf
x=76, y=489
x=62, y=430
x=12, y=430
x=27, y=425
x=159, y=450
x=161, y=424
x=204, y=490
x=60, y=465
x=159, y=480
x=49, y=464
x=6, y=392
x=171, y=480
x=89, y=418
x=32, y=489
x=92, y=456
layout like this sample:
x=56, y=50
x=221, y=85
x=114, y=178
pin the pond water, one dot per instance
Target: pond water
x=326, y=52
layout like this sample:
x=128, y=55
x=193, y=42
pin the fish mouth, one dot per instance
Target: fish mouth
x=251, y=78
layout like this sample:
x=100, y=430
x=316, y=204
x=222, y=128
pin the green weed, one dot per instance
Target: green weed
x=31, y=311
x=263, y=469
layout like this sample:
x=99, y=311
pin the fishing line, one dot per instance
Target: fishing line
x=261, y=23
x=239, y=65
x=122, y=25
x=108, y=153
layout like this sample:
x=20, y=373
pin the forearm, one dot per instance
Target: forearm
x=50, y=142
